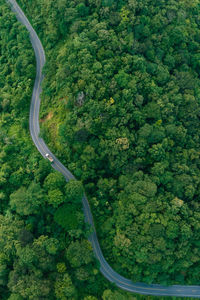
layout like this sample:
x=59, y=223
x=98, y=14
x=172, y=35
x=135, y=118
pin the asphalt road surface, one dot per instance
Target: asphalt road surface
x=106, y=270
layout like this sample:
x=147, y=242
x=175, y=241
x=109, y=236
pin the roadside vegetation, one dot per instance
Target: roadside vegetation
x=120, y=108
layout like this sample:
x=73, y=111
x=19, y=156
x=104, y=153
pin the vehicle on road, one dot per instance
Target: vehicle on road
x=49, y=157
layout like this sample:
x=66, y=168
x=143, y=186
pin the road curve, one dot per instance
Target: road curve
x=106, y=270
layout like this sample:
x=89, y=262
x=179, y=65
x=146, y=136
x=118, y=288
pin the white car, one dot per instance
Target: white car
x=50, y=158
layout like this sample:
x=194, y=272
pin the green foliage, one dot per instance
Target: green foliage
x=55, y=197
x=52, y=246
x=122, y=79
x=66, y=216
x=25, y=237
x=74, y=191
x=27, y=201
x=10, y=229
x=79, y=253
x=54, y=181
x=61, y=267
x=82, y=10
x=109, y=295
x=64, y=288
x=28, y=286
x=15, y=297
x=90, y=298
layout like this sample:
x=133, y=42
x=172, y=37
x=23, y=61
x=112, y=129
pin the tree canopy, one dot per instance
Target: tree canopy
x=123, y=86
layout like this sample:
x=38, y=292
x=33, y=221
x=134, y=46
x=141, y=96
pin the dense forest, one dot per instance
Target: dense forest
x=44, y=252
x=120, y=108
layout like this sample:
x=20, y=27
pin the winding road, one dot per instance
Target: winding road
x=106, y=270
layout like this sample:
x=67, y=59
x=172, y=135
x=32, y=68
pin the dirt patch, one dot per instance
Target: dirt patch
x=48, y=117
